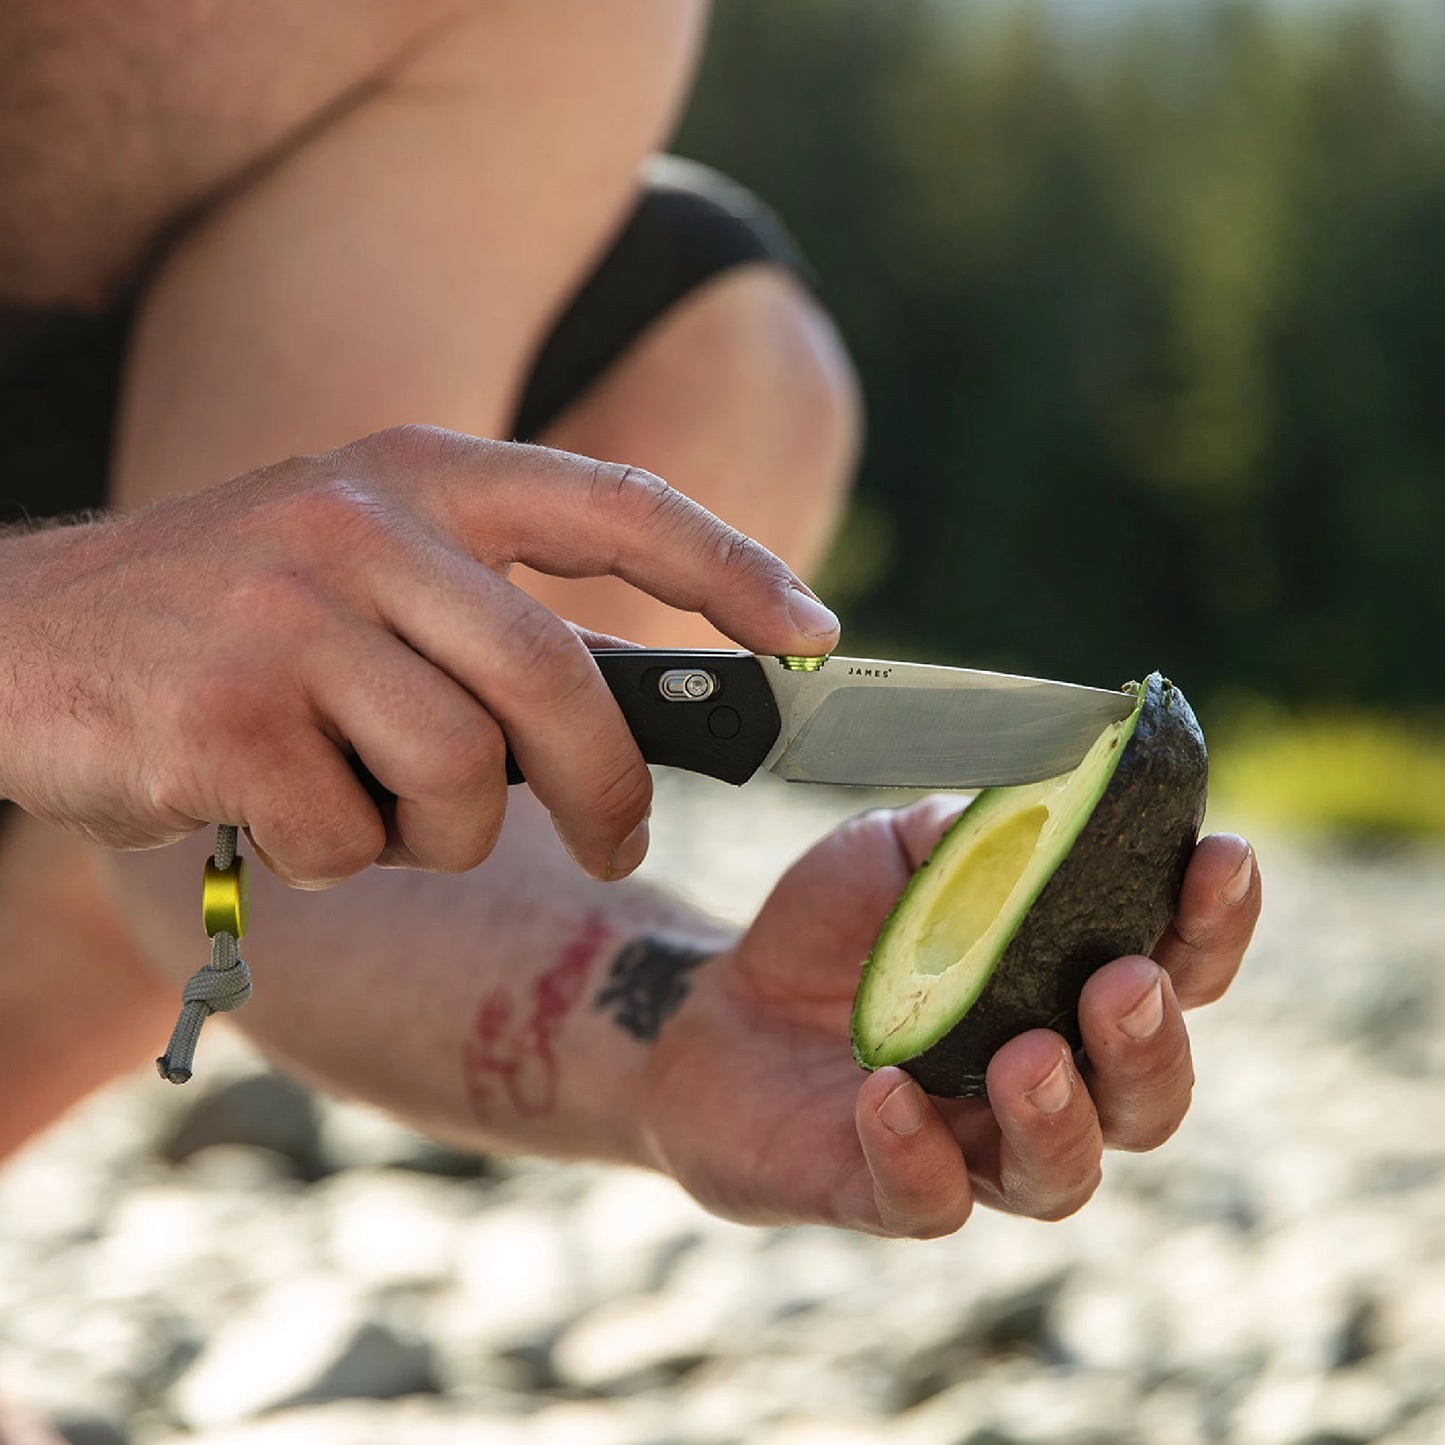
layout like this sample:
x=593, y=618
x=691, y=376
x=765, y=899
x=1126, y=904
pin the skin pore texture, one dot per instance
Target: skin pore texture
x=399, y=260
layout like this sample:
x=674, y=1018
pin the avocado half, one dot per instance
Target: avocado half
x=1030, y=891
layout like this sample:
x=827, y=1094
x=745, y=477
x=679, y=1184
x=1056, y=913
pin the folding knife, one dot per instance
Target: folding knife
x=851, y=720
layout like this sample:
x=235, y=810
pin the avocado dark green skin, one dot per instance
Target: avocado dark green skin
x=1114, y=894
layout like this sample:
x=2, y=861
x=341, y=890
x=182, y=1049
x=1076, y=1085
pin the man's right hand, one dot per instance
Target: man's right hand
x=229, y=657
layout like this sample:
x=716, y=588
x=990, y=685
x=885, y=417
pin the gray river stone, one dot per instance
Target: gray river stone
x=210, y=1266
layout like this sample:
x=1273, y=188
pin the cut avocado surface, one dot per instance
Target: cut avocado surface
x=1030, y=891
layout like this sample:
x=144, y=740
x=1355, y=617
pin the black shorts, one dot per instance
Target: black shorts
x=60, y=374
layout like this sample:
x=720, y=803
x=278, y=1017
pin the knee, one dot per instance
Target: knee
x=776, y=352
x=742, y=394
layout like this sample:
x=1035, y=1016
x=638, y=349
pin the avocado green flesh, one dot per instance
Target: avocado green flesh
x=940, y=947
x=1030, y=892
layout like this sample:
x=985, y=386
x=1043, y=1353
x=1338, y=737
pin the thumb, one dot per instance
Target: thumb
x=831, y=903
x=922, y=825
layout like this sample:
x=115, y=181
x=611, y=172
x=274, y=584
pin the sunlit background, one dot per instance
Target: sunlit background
x=1149, y=306
x=1147, y=300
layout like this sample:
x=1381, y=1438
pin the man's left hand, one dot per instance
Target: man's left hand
x=754, y=1103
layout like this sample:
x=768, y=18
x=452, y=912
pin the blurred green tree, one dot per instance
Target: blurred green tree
x=1151, y=318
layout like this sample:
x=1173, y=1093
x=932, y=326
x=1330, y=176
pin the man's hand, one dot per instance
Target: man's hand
x=753, y=1102
x=233, y=656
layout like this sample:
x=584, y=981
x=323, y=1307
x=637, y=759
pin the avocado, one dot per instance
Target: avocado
x=1030, y=891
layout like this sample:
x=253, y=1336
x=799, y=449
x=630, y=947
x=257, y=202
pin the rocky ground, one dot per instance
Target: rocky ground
x=243, y=1264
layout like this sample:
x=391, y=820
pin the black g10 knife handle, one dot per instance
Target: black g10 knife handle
x=708, y=712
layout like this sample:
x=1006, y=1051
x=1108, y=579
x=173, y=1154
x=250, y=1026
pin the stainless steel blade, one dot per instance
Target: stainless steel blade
x=906, y=725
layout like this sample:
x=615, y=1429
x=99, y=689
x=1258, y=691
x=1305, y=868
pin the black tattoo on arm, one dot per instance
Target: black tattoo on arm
x=648, y=982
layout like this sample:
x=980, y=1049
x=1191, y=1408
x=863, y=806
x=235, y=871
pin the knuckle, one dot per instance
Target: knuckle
x=476, y=846
x=1155, y=1119
x=1197, y=936
x=414, y=445
x=643, y=502
x=334, y=515
x=733, y=552
x=639, y=498
x=1167, y=1068
x=1059, y=1173
x=482, y=843
x=622, y=796
x=319, y=857
x=546, y=664
x=742, y=561
x=355, y=843
x=466, y=758
x=318, y=840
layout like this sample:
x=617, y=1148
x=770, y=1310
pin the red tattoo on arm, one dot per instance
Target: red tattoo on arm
x=512, y=1047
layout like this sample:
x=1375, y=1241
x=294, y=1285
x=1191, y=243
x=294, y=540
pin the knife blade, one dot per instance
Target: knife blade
x=850, y=720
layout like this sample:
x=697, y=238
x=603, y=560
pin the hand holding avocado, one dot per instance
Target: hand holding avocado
x=1031, y=891
x=754, y=1104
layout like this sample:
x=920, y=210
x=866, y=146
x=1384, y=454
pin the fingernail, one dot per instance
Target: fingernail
x=1233, y=892
x=1143, y=1020
x=1055, y=1091
x=809, y=615
x=902, y=1111
x=630, y=852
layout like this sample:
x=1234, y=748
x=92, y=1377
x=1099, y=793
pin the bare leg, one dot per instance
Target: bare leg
x=399, y=265
x=404, y=262
x=78, y=1005
x=742, y=396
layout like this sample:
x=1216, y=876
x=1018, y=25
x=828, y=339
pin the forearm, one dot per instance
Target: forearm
x=26, y=630
x=513, y=1007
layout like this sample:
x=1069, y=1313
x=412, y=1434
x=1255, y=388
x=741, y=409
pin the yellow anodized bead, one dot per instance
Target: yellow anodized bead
x=226, y=899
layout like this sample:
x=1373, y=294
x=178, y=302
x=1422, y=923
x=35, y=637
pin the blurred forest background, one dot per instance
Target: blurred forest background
x=1149, y=305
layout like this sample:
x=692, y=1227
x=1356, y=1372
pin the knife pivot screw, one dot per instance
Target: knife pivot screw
x=686, y=684
x=802, y=664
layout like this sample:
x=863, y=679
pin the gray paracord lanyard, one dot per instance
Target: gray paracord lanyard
x=225, y=982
